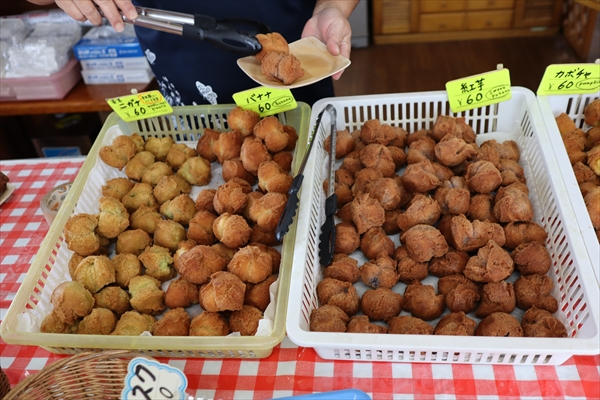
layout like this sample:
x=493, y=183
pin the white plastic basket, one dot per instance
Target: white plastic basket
x=573, y=106
x=571, y=271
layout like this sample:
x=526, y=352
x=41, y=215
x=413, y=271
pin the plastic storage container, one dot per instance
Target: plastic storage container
x=574, y=282
x=53, y=87
x=50, y=267
x=573, y=106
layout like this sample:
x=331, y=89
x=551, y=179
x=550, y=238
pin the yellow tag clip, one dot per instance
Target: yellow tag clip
x=570, y=79
x=479, y=90
x=265, y=100
x=140, y=105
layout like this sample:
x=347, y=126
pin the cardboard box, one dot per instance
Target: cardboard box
x=114, y=63
x=111, y=76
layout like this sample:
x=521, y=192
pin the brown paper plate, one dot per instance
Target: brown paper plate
x=317, y=62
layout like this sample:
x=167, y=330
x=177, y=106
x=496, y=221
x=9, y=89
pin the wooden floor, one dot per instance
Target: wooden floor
x=416, y=67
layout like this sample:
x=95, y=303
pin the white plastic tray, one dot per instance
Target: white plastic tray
x=573, y=106
x=571, y=271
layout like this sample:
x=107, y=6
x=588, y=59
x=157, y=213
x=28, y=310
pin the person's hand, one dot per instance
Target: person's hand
x=329, y=24
x=82, y=10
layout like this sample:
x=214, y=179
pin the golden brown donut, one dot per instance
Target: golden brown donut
x=455, y=324
x=361, y=324
x=95, y=272
x=170, y=186
x=155, y=171
x=379, y=157
x=145, y=218
x=232, y=230
x=100, y=321
x=174, y=322
x=224, y=292
x=347, y=238
x=424, y=242
x=540, y=323
x=375, y=243
x=181, y=293
x=245, y=321
x=242, y=120
x=134, y=169
x=180, y=209
x=230, y=198
x=53, y=324
x=483, y=177
x=140, y=194
x=343, y=268
x=499, y=324
x=228, y=146
x=328, y=318
x=200, y=228
x=178, y=154
x=535, y=290
x=420, y=177
x=496, y=297
x=451, y=150
x=272, y=178
x=409, y=269
x=146, y=294
x=259, y=295
x=133, y=242
x=491, y=264
x=251, y=264
x=197, y=264
x=531, y=258
x=113, y=217
x=422, y=301
x=280, y=67
x=272, y=41
x=117, y=187
x=168, y=234
x=380, y=272
x=113, y=298
x=159, y=146
x=209, y=324
x=133, y=323
x=338, y=293
x=196, y=171
x=234, y=168
x=381, y=304
x=266, y=210
x=205, y=144
x=421, y=210
x=127, y=266
x=409, y=325
x=71, y=300
x=253, y=153
x=80, y=234
x=157, y=262
x=119, y=152
x=461, y=294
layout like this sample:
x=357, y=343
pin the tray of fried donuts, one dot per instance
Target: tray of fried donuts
x=440, y=231
x=173, y=237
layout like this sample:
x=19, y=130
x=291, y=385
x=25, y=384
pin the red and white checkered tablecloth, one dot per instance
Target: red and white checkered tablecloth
x=290, y=370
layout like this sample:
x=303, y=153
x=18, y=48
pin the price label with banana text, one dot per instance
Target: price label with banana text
x=265, y=100
x=479, y=90
x=138, y=106
x=570, y=79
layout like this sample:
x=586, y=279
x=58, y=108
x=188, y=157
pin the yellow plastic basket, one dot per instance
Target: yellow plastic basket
x=50, y=267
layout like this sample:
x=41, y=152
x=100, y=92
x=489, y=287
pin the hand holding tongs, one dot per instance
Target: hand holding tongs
x=327, y=237
x=232, y=34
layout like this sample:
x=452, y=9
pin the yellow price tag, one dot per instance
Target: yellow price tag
x=570, y=79
x=479, y=90
x=140, y=105
x=266, y=101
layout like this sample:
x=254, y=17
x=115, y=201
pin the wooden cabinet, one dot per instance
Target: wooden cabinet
x=396, y=21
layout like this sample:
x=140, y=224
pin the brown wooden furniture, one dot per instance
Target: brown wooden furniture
x=398, y=21
x=579, y=23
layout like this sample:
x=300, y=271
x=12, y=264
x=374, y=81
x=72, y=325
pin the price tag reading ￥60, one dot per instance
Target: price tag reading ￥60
x=265, y=100
x=479, y=90
x=570, y=79
x=140, y=105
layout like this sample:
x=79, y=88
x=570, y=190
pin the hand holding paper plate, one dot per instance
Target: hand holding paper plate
x=314, y=58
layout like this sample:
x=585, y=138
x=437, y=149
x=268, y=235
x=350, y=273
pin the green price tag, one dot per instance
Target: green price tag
x=479, y=90
x=265, y=101
x=140, y=105
x=570, y=79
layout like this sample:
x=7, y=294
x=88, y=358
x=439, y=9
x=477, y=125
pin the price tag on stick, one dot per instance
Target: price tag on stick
x=140, y=105
x=479, y=90
x=265, y=100
x=570, y=79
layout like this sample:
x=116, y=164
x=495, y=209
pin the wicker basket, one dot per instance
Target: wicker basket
x=4, y=384
x=85, y=375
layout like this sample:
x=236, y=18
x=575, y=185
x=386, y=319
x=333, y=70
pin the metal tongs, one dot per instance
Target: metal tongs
x=233, y=34
x=327, y=237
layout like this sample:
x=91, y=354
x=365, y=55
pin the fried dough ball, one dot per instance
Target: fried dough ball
x=379, y=157
x=245, y=321
x=366, y=213
x=292, y=137
x=271, y=42
x=259, y=295
x=420, y=150
x=196, y=171
x=455, y=324
x=153, y=173
x=197, y=264
x=510, y=171
x=453, y=262
x=157, y=262
x=338, y=293
x=420, y=177
x=347, y=239
x=113, y=217
x=224, y=292
x=266, y=210
x=253, y=153
x=113, y=298
x=461, y=293
x=119, y=152
x=159, y=147
x=386, y=191
x=424, y=242
x=80, y=234
x=421, y=210
x=496, y=297
x=95, y=272
x=146, y=294
x=409, y=269
x=380, y=272
x=180, y=209
x=264, y=236
x=408, y=325
x=343, y=268
x=507, y=149
x=361, y=324
x=127, y=266
x=205, y=200
x=134, y=169
x=53, y=324
x=591, y=113
x=133, y=323
x=363, y=178
x=328, y=318
x=374, y=132
x=487, y=152
x=381, y=304
x=117, y=188
x=205, y=144
x=574, y=143
x=100, y=321
x=469, y=236
x=242, y=120
x=593, y=138
x=169, y=233
x=284, y=159
x=523, y=232
x=592, y=203
x=456, y=127
x=540, y=323
x=535, y=290
x=483, y=177
x=390, y=226
x=512, y=205
x=145, y=218
x=140, y=194
x=481, y=207
x=73, y=263
x=451, y=150
x=352, y=163
x=234, y=168
x=71, y=300
x=491, y=264
x=181, y=293
x=398, y=156
x=170, y=186
x=499, y=324
x=251, y=264
x=178, y=154
x=531, y=258
x=174, y=322
x=584, y=174
x=451, y=199
x=140, y=142
x=422, y=301
x=200, y=228
x=565, y=124
x=209, y=324
x=271, y=131
x=232, y=230
x=279, y=67
x=375, y=242
x=272, y=178
x=344, y=144
x=228, y=146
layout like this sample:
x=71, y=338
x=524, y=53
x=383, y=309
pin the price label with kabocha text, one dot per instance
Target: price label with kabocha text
x=479, y=90
x=265, y=100
x=150, y=380
x=570, y=79
x=138, y=106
